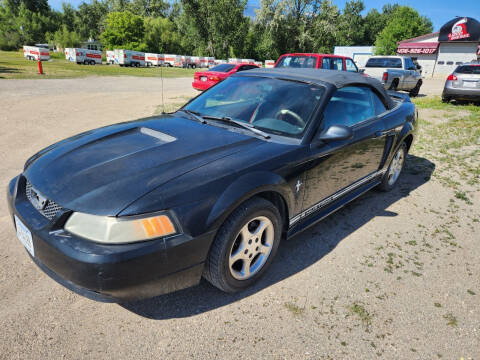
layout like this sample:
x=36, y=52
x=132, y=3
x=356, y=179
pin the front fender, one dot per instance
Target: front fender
x=244, y=188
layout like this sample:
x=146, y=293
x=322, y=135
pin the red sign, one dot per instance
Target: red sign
x=459, y=30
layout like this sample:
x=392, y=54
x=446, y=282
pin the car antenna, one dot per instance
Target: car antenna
x=161, y=77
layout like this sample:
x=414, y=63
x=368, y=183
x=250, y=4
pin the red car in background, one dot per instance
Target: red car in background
x=205, y=79
x=317, y=61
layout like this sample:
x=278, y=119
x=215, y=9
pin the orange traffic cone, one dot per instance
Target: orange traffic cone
x=40, y=68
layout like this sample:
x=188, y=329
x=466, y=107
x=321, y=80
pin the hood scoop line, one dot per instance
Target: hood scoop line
x=165, y=138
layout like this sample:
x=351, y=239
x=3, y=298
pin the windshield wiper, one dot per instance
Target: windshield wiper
x=194, y=115
x=240, y=124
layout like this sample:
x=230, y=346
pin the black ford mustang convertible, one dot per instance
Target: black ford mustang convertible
x=146, y=207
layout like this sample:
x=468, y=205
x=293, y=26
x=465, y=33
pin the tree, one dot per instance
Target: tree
x=404, y=23
x=351, y=29
x=324, y=29
x=161, y=36
x=124, y=30
x=89, y=19
x=66, y=38
x=218, y=26
x=153, y=8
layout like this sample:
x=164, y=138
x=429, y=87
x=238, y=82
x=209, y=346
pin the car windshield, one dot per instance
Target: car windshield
x=275, y=106
x=395, y=63
x=222, y=68
x=297, y=62
x=468, y=69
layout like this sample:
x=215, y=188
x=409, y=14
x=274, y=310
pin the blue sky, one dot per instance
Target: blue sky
x=439, y=11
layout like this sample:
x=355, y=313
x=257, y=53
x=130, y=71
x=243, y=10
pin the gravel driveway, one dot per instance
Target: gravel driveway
x=378, y=279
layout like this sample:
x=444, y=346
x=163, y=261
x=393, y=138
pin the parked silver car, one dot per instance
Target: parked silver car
x=463, y=84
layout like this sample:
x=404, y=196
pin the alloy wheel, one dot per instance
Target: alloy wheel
x=396, y=166
x=251, y=248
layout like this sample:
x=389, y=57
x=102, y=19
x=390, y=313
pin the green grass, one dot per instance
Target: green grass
x=435, y=102
x=14, y=66
x=361, y=312
x=294, y=309
x=451, y=319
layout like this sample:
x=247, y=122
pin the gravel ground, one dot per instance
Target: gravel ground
x=392, y=275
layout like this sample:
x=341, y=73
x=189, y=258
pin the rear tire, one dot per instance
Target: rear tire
x=244, y=246
x=445, y=99
x=414, y=92
x=394, y=85
x=390, y=178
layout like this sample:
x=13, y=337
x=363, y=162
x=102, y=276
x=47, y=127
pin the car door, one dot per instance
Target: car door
x=326, y=63
x=337, y=165
x=337, y=64
x=410, y=70
x=350, y=65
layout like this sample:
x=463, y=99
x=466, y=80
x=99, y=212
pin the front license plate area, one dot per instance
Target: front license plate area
x=24, y=235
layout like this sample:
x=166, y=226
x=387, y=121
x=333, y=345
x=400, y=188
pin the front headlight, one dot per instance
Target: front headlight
x=112, y=230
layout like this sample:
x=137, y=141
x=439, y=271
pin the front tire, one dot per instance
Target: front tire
x=244, y=246
x=390, y=178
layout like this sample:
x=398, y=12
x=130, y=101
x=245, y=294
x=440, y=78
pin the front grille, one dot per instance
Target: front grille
x=51, y=208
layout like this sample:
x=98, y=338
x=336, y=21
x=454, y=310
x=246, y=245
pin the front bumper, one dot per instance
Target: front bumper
x=460, y=93
x=109, y=272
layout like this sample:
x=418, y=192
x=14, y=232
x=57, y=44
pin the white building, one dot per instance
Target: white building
x=439, y=53
x=359, y=54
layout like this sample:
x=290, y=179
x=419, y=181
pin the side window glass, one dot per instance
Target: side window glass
x=379, y=105
x=337, y=64
x=349, y=106
x=351, y=65
x=326, y=63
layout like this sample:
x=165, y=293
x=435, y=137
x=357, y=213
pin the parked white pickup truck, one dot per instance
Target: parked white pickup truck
x=395, y=72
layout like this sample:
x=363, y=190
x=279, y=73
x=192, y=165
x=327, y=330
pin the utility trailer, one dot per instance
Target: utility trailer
x=154, y=59
x=110, y=57
x=269, y=63
x=129, y=58
x=36, y=53
x=170, y=60
x=83, y=56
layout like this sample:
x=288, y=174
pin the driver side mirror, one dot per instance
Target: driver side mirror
x=336, y=132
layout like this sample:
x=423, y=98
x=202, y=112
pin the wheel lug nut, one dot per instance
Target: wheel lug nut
x=246, y=252
x=249, y=242
x=256, y=249
x=250, y=256
x=256, y=240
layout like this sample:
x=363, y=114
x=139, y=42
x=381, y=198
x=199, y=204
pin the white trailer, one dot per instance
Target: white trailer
x=170, y=60
x=234, y=61
x=129, y=58
x=83, y=56
x=211, y=61
x=154, y=59
x=194, y=62
x=218, y=61
x=36, y=53
x=248, y=61
x=269, y=63
x=110, y=57
x=259, y=63
x=204, y=62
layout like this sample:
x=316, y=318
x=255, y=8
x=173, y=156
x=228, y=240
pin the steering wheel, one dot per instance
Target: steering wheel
x=298, y=120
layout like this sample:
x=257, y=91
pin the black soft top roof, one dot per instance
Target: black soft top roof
x=324, y=77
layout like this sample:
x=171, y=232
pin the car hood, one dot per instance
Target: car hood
x=102, y=171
